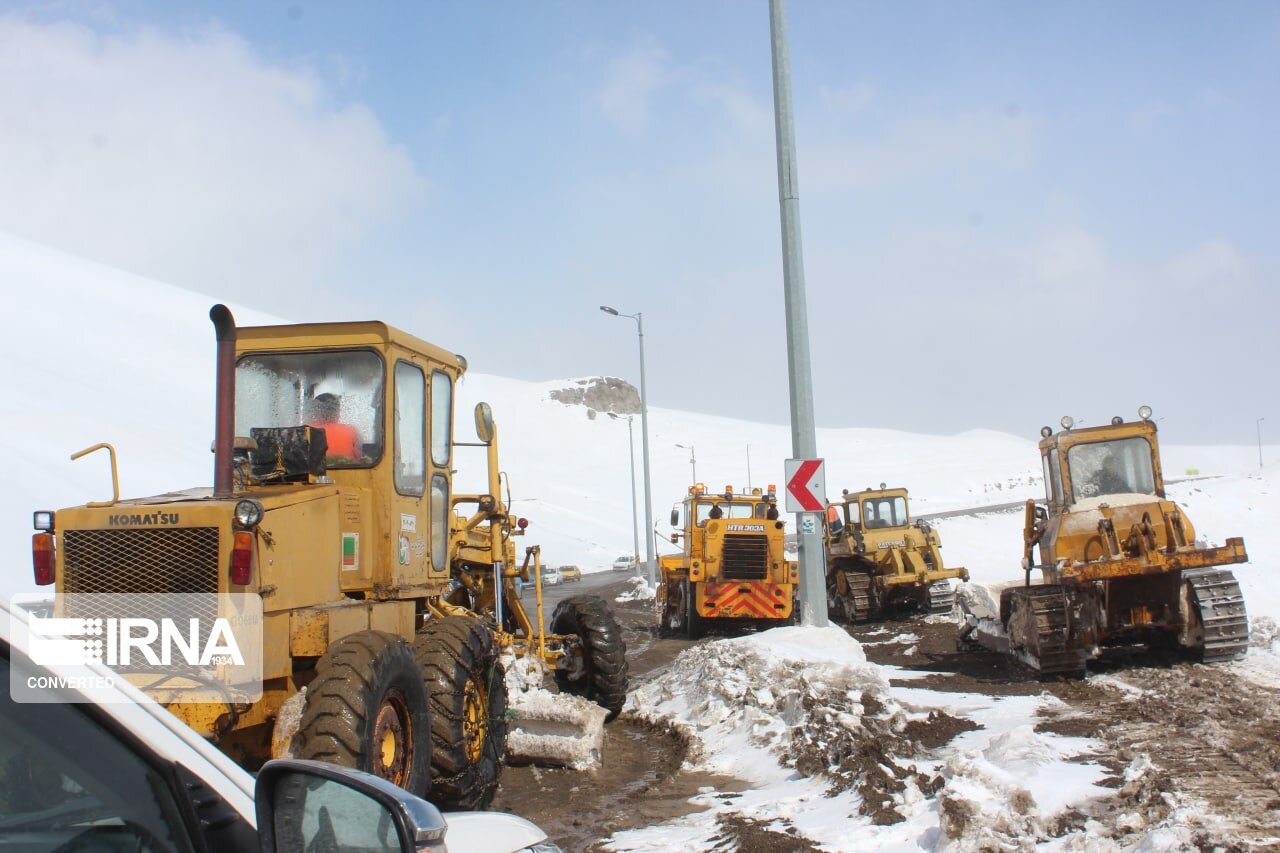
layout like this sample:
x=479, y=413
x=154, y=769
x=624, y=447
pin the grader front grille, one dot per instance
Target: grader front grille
x=745, y=557
x=141, y=560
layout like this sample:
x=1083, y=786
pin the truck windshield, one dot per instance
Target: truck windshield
x=729, y=510
x=884, y=512
x=339, y=391
x=1118, y=467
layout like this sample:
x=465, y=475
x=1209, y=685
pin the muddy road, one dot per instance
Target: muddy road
x=640, y=782
x=1213, y=733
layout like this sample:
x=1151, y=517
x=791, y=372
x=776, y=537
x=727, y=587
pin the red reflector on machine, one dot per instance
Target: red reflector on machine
x=42, y=557
x=242, y=558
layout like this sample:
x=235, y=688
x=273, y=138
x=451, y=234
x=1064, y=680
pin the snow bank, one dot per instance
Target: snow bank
x=640, y=591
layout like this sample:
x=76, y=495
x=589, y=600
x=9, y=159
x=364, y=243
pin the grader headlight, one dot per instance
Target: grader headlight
x=248, y=513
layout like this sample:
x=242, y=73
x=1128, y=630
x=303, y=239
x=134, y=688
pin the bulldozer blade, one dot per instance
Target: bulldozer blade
x=980, y=625
x=554, y=729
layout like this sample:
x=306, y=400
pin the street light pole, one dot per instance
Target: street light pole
x=693, y=459
x=1258, y=424
x=804, y=439
x=644, y=441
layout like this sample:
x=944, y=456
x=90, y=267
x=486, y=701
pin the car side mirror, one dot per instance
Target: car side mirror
x=310, y=805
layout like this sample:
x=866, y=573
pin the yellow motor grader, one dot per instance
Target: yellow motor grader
x=878, y=561
x=1120, y=562
x=732, y=571
x=384, y=607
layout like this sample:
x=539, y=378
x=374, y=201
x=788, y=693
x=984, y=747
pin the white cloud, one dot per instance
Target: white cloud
x=918, y=147
x=850, y=100
x=633, y=78
x=186, y=157
x=1214, y=264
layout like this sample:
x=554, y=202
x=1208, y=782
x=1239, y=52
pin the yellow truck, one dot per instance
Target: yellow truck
x=879, y=561
x=385, y=594
x=732, y=570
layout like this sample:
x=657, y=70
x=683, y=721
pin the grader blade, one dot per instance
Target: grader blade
x=555, y=729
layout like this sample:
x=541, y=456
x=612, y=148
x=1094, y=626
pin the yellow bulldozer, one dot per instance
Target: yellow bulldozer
x=386, y=596
x=1120, y=563
x=732, y=571
x=880, y=562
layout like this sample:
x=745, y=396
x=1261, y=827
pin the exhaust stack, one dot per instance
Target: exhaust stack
x=225, y=402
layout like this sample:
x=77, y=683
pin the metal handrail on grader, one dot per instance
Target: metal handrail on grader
x=384, y=607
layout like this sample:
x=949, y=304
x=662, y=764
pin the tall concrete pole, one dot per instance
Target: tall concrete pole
x=635, y=529
x=804, y=442
x=650, y=566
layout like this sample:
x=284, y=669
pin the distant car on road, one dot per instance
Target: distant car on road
x=550, y=575
x=623, y=563
x=570, y=573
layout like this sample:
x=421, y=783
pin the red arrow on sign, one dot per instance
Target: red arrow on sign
x=798, y=486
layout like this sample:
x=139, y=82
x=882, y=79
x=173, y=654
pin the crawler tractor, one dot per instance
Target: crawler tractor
x=732, y=571
x=384, y=607
x=1119, y=561
x=878, y=561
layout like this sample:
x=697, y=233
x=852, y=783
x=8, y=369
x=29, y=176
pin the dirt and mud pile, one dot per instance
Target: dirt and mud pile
x=804, y=700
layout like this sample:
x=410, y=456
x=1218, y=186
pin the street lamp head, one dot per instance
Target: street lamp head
x=606, y=309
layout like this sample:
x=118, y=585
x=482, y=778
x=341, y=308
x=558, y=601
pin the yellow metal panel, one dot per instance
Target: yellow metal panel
x=395, y=617
x=308, y=632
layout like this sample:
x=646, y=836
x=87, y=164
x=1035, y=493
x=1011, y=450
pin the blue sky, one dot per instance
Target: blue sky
x=1010, y=211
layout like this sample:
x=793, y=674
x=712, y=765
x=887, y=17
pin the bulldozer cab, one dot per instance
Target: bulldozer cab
x=875, y=509
x=1118, y=461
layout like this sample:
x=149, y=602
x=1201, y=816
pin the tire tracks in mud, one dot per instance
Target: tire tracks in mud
x=1211, y=733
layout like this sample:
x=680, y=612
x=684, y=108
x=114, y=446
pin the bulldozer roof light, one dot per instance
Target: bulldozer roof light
x=699, y=488
x=42, y=558
x=1144, y=412
x=1117, y=420
x=42, y=519
x=756, y=490
x=728, y=490
x=773, y=490
x=1067, y=422
x=1046, y=431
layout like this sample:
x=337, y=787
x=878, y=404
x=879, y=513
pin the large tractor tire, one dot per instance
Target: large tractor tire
x=468, y=696
x=367, y=708
x=605, y=680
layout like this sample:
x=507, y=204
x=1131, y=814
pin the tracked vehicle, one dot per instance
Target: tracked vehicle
x=1120, y=563
x=879, y=561
x=732, y=571
x=385, y=595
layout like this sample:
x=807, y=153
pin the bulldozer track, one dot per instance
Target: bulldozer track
x=1222, y=613
x=1041, y=637
x=859, y=604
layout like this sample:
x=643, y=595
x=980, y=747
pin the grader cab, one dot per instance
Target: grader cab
x=879, y=562
x=1120, y=562
x=732, y=571
x=383, y=608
